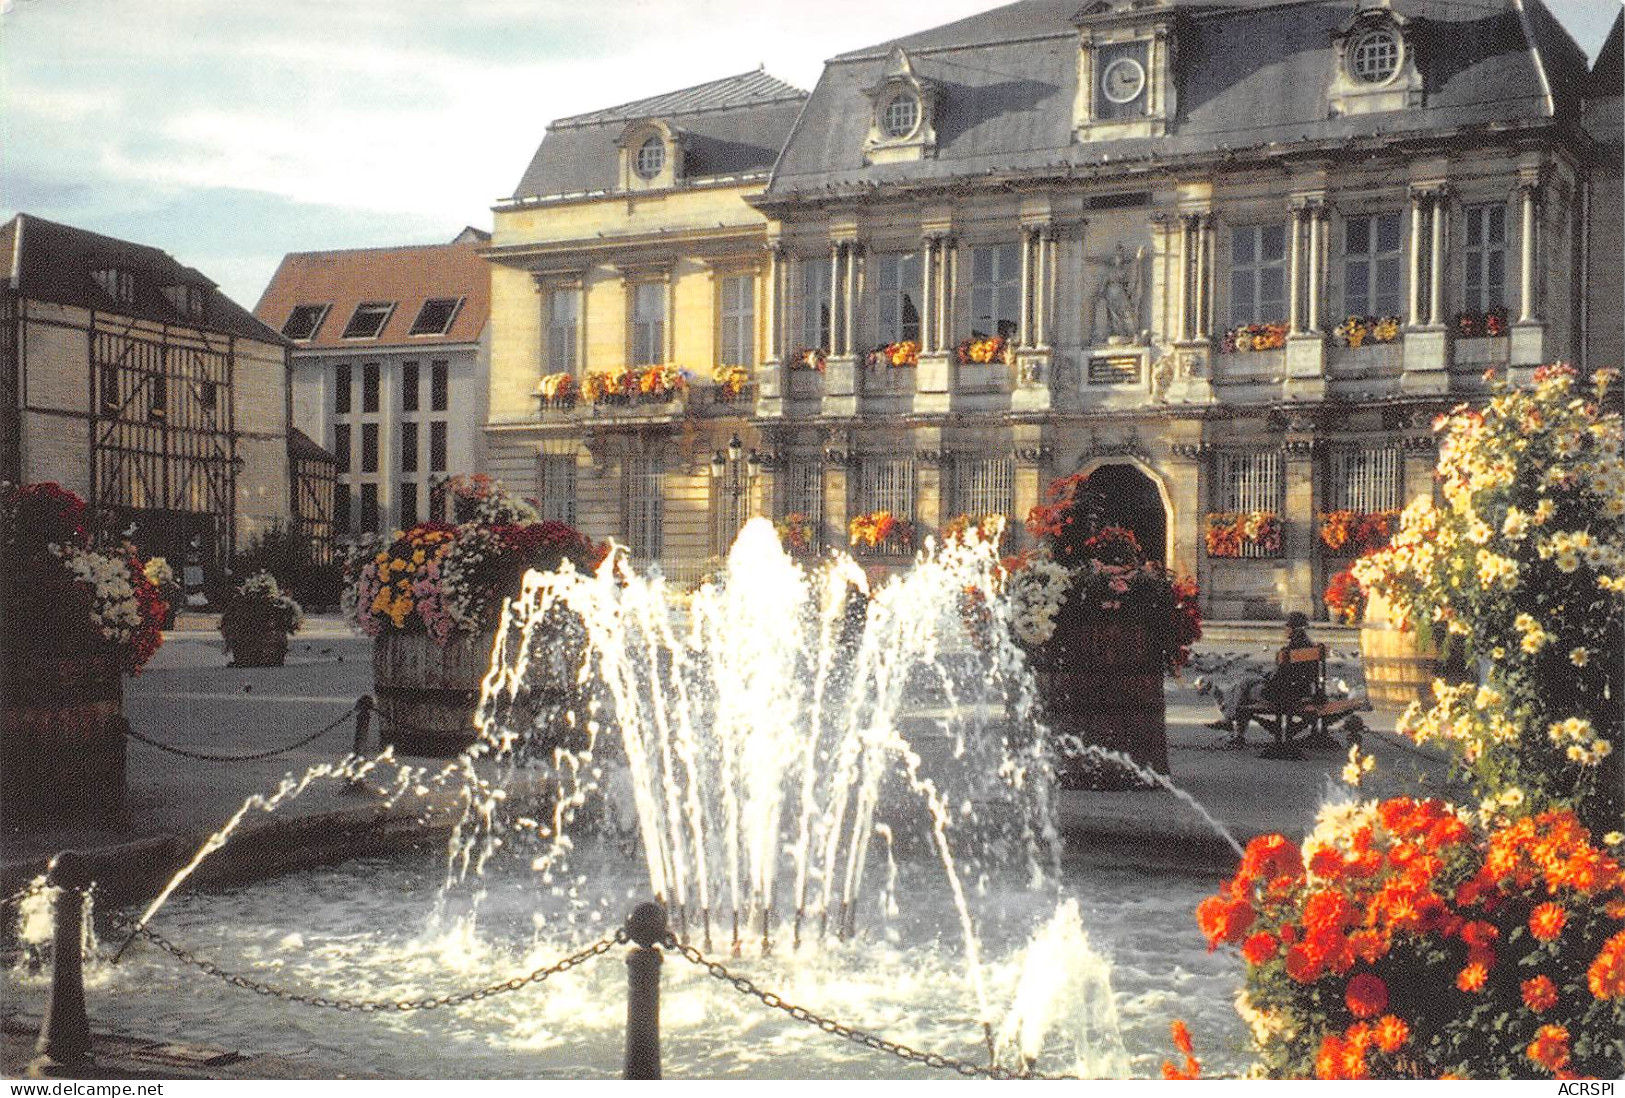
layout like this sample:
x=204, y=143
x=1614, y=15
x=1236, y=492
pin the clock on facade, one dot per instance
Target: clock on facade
x=1123, y=80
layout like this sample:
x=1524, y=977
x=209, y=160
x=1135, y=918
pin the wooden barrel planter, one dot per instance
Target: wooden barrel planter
x=62, y=738
x=1401, y=664
x=426, y=693
x=1104, y=686
x=259, y=648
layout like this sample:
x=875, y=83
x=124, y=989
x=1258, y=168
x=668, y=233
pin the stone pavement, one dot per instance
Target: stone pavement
x=189, y=699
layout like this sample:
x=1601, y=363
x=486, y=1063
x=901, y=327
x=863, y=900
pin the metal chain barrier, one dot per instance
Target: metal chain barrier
x=874, y=1041
x=22, y=894
x=377, y=1006
x=203, y=756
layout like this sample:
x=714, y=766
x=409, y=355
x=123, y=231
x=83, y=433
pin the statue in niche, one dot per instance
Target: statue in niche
x=1115, y=307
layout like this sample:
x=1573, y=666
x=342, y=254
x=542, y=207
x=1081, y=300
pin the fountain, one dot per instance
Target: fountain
x=842, y=787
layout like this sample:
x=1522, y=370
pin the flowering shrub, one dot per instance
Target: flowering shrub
x=63, y=598
x=1471, y=325
x=809, y=358
x=257, y=606
x=559, y=390
x=877, y=529
x=984, y=528
x=387, y=587
x=980, y=350
x=624, y=385
x=1230, y=535
x=796, y=532
x=1357, y=331
x=731, y=381
x=903, y=354
x=1345, y=598
x=1356, y=533
x=478, y=498
x=1405, y=941
x=1525, y=564
x=1253, y=337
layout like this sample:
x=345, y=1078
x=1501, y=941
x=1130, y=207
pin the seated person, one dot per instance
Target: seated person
x=1287, y=685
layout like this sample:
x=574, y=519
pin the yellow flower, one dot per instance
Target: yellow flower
x=1544, y=510
x=1579, y=657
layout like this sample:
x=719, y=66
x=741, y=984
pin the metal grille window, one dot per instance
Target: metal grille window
x=438, y=382
x=437, y=447
x=1485, y=261
x=409, y=447
x=1257, y=274
x=897, y=281
x=643, y=489
x=557, y=473
x=369, y=447
x=804, y=495
x=341, y=390
x=409, y=387
x=648, y=323
x=1365, y=480
x=341, y=447
x=995, y=289
x=563, y=316
x=1250, y=483
x=1373, y=263
x=408, y=504
x=983, y=486
x=730, y=505
x=738, y=320
x=815, y=303
x=369, y=388
x=887, y=484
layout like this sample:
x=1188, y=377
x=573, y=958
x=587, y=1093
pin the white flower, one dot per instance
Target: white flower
x=1579, y=657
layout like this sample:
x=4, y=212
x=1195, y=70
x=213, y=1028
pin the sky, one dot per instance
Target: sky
x=229, y=132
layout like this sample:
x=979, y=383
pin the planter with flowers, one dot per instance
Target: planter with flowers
x=628, y=386
x=257, y=622
x=1481, y=325
x=809, y=358
x=1345, y=598
x=162, y=576
x=981, y=350
x=72, y=620
x=1347, y=533
x=903, y=354
x=432, y=601
x=1248, y=338
x=797, y=533
x=1102, y=625
x=1362, y=331
x=731, y=384
x=559, y=391
x=981, y=527
x=880, y=533
x=1244, y=534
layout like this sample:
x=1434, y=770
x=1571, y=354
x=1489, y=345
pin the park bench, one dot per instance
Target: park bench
x=1307, y=723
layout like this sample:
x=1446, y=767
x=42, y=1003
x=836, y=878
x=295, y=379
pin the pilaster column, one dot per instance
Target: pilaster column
x=1415, y=281
x=1436, y=262
x=1527, y=244
x=1204, y=276
x=836, y=305
x=928, y=292
x=1294, y=295
x=1024, y=329
x=1317, y=222
x=950, y=293
x=854, y=293
x=775, y=322
x=1183, y=296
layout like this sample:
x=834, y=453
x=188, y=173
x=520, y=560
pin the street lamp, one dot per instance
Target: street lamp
x=736, y=449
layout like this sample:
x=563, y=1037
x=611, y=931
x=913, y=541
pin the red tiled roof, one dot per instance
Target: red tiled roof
x=405, y=277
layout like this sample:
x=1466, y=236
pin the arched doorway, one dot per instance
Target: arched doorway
x=1130, y=498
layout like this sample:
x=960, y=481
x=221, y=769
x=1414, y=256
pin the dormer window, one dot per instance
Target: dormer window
x=435, y=317
x=1375, y=66
x=305, y=321
x=902, y=115
x=903, y=124
x=118, y=283
x=186, y=298
x=368, y=319
x=1125, y=70
x=1374, y=56
x=651, y=156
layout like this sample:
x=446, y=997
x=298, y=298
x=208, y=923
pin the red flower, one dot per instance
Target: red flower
x=1478, y=934
x=1471, y=979
x=1539, y=994
x=1224, y=920
x=1546, y=921
x=1606, y=976
x=1301, y=965
x=1327, y=909
x=1260, y=948
x=1329, y=1060
x=1391, y=1033
x=1550, y=1048
x=1366, y=995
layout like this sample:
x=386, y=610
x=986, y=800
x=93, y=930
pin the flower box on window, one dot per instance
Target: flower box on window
x=809, y=358
x=1253, y=337
x=880, y=532
x=797, y=533
x=980, y=350
x=1474, y=325
x=1356, y=533
x=732, y=384
x=898, y=355
x=1244, y=534
x=1362, y=331
x=637, y=385
x=558, y=391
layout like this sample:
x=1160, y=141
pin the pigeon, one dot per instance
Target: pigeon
x=248, y=688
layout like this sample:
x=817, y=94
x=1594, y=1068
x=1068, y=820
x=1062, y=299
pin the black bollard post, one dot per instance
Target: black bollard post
x=63, y=1049
x=647, y=928
x=363, y=725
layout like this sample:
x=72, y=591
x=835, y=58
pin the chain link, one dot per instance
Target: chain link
x=205, y=757
x=378, y=1006
x=22, y=894
x=745, y=986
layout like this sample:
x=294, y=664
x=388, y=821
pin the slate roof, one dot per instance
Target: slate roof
x=47, y=261
x=1251, y=73
x=731, y=126
x=407, y=276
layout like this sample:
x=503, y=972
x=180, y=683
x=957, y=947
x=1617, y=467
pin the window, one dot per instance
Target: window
x=642, y=495
x=409, y=387
x=409, y=447
x=118, y=283
x=341, y=447
x=368, y=319
x=369, y=508
x=1486, y=258
x=898, y=284
x=804, y=495
x=369, y=447
x=815, y=313
x=1372, y=265
x=305, y=321
x=901, y=115
x=436, y=316
x=738, y=343
x=187, y=299
x=651, y=158
x=995, y=289
x=208, y=396
x=648, y=323
x=369, y=388
x=408, y=506
x=1257, y=274
x=438, y=381
x=983, y=486
x=158, y=392
x=437, y=447
x=557, y=473
x=1247, y=483
x=730, y=506
x=886, y=484
x=1374, y=56
x=341, y=508
x=341, y=390
x=1364, y=480
x=111, y=398
x=563, y=315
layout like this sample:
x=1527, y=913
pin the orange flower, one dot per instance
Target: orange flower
x=1550, y=1048
x=1539, y=994
x=1301, y=965
x=1259, y=948
x=1546, y=921
x=1392, y=1033
x=1369, y=946
x=1329, y=1060
x=1327, y=908
x=1606, y=976
x=1366, y=995
x=1478, y=934
x=1182, y=1041
x=1472, y=978
x=1326, y=861
x=1270, y=856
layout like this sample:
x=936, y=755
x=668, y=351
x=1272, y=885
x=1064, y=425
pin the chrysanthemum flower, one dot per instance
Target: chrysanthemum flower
x=1366, y=995
x=1539, y=993
x=1546, y=921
